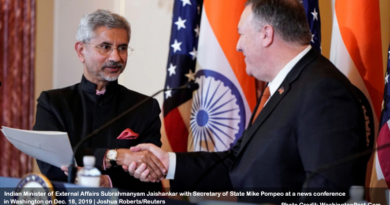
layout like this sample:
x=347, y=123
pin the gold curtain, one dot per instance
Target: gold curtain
x=17, y=58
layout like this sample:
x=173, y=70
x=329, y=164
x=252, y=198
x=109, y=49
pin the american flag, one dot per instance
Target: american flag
x=181, y=69
x=385, y=114
x=313, y=18
x=384, y=133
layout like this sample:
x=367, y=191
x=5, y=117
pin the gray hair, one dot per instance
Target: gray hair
x=90, y=22
x=287, y=17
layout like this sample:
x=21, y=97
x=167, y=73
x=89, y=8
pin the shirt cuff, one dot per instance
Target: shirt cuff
x=104, y=163
x=172, y=166
x=109, y=179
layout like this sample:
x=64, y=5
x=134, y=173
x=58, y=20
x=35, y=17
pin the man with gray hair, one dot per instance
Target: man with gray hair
x=102, y=47
x=309, y=116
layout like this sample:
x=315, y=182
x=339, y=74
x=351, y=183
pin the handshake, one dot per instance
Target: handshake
x=146, y=162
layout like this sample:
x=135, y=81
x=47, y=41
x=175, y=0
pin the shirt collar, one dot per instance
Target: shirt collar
x=274, y=85
x=100, y=92
x=90, y=87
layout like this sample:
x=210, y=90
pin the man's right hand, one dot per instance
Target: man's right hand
x=157, y=169
x=143, y=172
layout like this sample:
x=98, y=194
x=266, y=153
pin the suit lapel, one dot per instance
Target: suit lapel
x=275, y=99
x=267, y=110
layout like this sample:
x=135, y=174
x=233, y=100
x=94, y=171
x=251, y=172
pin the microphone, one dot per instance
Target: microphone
x=191, y=86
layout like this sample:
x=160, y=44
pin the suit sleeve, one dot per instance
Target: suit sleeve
x=46, y=120
x=323, y=140
x=204, y=171
x=152, y=134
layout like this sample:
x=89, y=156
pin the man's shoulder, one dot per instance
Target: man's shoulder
x=64, y=92
x=318, y=73
x=322, y=68
x=131, y=98
x=127, y=93
x=313, y=67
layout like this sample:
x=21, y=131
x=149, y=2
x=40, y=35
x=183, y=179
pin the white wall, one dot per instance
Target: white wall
x=150, y=22
x=151, y=28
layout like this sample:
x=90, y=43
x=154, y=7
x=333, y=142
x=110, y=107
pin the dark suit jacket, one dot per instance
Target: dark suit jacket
x=316, y=120
x=78, y=111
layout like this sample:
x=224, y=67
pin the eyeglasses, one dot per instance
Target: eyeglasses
x=106, y=49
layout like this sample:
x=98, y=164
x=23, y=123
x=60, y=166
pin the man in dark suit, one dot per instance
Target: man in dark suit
x=102, y=47
x=312, y=118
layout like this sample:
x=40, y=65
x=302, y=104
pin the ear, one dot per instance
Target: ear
x=80, y=48
x=268, y=35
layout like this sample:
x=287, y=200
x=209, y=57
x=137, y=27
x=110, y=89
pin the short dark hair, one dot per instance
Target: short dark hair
x=287, y=17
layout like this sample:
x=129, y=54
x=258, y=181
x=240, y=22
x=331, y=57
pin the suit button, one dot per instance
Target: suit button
x=99, y=103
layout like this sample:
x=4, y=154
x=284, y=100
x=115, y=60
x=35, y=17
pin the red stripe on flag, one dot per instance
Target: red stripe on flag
x=383, y=154
x=177, y=132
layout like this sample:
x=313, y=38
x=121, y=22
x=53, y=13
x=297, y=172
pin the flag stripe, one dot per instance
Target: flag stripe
x=176, y=129
x=359, y=24
x=227, y=36
x=383, y=154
